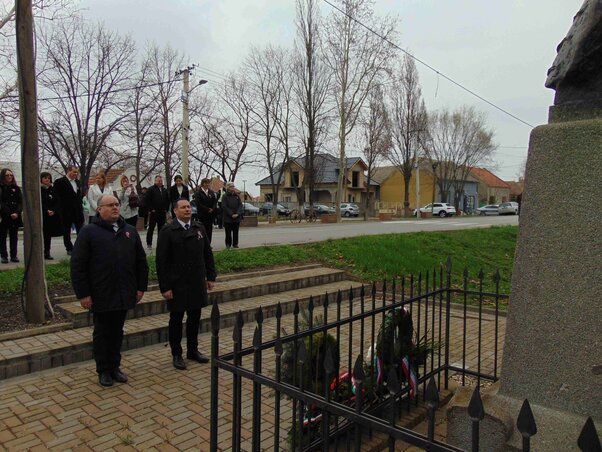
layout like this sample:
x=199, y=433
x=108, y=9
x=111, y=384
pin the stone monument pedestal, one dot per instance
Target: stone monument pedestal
x=553, y=347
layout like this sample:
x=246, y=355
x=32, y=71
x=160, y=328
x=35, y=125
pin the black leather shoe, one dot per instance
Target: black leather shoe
x=69, y=252
x=4, y=260
x=48, y=257
x=178, y=362
x=105, y=379
x=14, y=259
x=119, y=376
x=197, y=356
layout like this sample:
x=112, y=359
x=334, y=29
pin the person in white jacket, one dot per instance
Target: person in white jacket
x=129, y=211
x=96, y=191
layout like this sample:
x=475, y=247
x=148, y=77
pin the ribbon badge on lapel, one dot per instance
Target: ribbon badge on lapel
x=127, y=234
x=199, y=235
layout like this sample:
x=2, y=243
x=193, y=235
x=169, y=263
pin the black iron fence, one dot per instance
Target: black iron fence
x=345, y=366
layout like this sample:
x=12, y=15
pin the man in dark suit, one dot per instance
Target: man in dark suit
x=109, y=274
x=185, y=270
x=69, y=194
x=206, y=204
x=178, y=191
x=157, y=202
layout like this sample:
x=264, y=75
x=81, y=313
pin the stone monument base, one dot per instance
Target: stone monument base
x=556, y=430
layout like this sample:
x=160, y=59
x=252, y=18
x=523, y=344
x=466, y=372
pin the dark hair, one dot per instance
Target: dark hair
x=177, y=176
x=45, y=174
x=70, y=167
x=3, y=175
x=205, y=180
x=181, y=199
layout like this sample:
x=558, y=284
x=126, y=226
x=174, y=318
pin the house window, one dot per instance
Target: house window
x=268, y=197
x=350, y=198
x=295, y=179
x=287, y=199
x=355, y=179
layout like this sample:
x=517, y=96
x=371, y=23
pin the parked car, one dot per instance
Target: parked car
x=490, y=209
x=350, y=210
x=266, y=209
x=250, y=209
x=508, y=208
x=439, y=209
x=320, y=209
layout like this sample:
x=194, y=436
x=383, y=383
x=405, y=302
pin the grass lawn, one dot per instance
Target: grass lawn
x=368, y=257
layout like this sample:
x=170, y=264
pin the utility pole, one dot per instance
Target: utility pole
x=186, y=118
x=417, y=190
x=35, y=293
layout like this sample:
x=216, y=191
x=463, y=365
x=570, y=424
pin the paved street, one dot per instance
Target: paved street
x=288, y=233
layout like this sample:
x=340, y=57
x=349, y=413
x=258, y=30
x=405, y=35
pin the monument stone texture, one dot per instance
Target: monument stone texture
x=553, y=345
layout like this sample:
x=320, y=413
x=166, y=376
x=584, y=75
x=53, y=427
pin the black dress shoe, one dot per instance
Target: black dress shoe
x=14, y=259
x=105, y=379
x=178, y=362
x=119, y=376
x=69, y=252
x=48, y=257
x=197, y=356
x=4, y=260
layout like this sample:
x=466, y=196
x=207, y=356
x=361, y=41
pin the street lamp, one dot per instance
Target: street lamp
x=186, y=118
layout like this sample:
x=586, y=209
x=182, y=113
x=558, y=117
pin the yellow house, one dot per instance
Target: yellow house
x=392, y=188
x=291, y=189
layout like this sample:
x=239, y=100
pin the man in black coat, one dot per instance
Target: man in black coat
x=69, y=193
x=178, y=191
x=157, y=202
x=206, y=204
x=109, y=274
x=185, y=270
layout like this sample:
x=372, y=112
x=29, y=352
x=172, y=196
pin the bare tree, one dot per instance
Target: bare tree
x=376, y=126
x=227, y=126
x=87, y=66
x=312, y=85
x=163, y=64
x=409, y=122
x=357, y=57
x=459, y=140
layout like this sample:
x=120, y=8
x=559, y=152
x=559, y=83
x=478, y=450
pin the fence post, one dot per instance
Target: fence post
x=214, y=375
x=432, y=403
x=257, y=386
x=526, y=425
x=448, y=268
x=360, y=377
x=236, y=383
x=328, y=371
x=393, y=388
x=476, y=413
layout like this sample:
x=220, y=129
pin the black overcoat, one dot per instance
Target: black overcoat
x=11, y=201
x=72, y=210
x=231, y=204
x=204, y=202
x=184, y=264
x=109, y=266
x=174, y=195
x=52, y=224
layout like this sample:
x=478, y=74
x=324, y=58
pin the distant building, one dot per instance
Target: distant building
x=492, y=189
x=325, y=181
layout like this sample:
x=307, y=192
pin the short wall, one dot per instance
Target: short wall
x=249, y=222
x=385, y=216
x=328, y=218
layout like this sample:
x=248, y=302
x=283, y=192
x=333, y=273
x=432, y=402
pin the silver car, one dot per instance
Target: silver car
x=350, y=210
x=508, y=208
x=490, y=209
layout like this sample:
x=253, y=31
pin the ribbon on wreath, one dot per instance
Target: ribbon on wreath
x=410, y=375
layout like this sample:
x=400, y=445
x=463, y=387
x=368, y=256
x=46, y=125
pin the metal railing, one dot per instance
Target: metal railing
x=392, y=342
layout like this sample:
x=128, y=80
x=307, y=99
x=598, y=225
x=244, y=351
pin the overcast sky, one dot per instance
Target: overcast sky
x=500, y=49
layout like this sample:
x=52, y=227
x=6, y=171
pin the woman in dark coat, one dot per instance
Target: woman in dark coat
x=232, y=210
x=11, y=207
x=51, y=218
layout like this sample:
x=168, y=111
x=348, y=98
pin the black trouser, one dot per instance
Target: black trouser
x=143, y=212
x=193, y=320
x=231, y=234
x=107, y=338
x=67, y=230
x=156, y=218
x=208, y=224
x=12, y=232
x=219, y=217
x=47, y=242
x=132, y=220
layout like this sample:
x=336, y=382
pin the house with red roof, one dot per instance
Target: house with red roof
x=492, y=189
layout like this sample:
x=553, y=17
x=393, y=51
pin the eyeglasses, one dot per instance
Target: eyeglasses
x=115, y=204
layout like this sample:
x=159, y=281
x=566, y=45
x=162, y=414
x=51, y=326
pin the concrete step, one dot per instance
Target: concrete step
x=226, y=289
x=32, y=354
x=222, y=278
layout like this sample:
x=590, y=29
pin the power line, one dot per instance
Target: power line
x=439, y=73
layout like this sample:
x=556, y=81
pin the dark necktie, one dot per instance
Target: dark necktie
x=186, y=226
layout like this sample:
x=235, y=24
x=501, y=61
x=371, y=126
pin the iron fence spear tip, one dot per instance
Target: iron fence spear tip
x=257, y=337
x=588, y=439
x=278, y=310
x=475, y=406
x=310, y=306
x=215, y=317
x=481, y=274
x=448, y=264
x=432, y=394
x=466, y=272
x=296, y=309
x=526, y=422
x=259, y=315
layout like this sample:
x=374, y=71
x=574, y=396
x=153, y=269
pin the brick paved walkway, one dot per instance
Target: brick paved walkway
x=161, y=408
